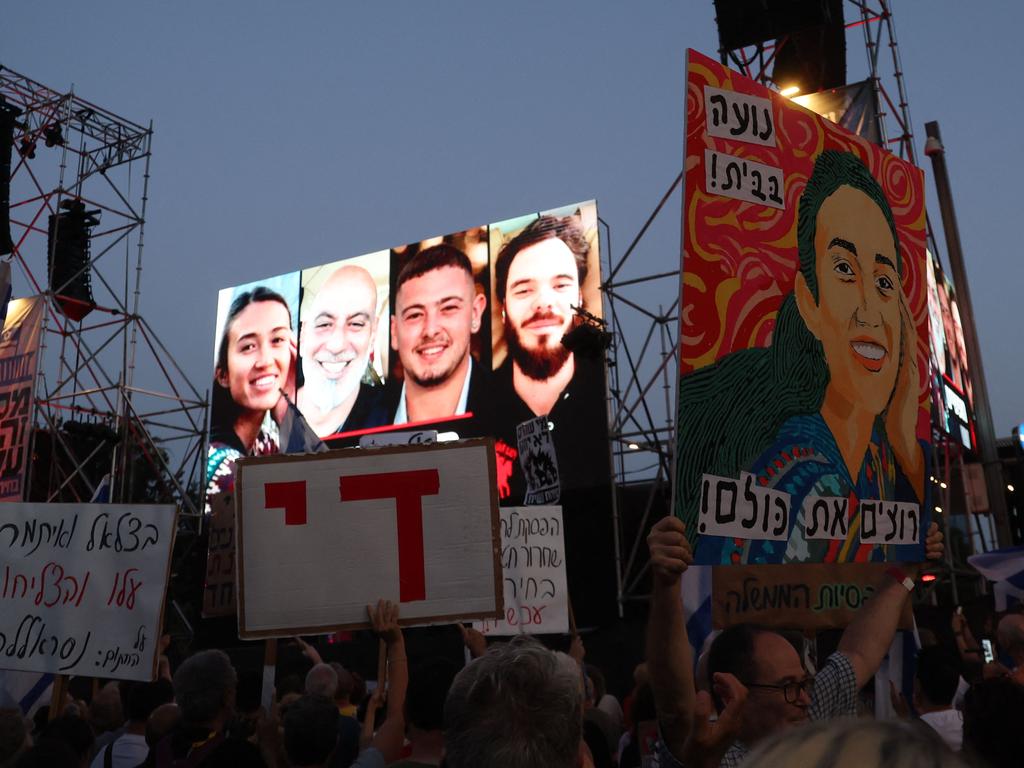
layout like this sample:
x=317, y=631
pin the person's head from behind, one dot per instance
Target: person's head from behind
x=428, y=690
x=336, y=342
x=204, y=688
x=106, y=712
x=254, y=354
x=310, y=731
x=142, y=698
x=538, y=277
x=437, y=310
x=74, y=732
x=14, y=736
x=994, y=722
x=322, y=680
x=1010, y=636
x=770, y=667
x=161, y=721
x=517, y=705
x=854, y=743
x=849, y=291
x=936, y=679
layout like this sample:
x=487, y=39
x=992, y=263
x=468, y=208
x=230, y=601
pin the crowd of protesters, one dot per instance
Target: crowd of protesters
x=754, y=697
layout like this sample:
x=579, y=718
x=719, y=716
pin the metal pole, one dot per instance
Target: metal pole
x=994, y=481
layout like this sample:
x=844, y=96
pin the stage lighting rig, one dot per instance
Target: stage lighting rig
x=588, y=337
x=53, y=136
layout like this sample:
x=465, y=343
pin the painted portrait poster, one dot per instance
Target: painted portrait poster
x=803, y=422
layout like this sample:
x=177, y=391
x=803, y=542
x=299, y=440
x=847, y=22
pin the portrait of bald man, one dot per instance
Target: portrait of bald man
x=336, y=340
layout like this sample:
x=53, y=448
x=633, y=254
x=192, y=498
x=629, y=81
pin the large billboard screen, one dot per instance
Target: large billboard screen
x=952, y=392
x=803, y=395
x=459, y=333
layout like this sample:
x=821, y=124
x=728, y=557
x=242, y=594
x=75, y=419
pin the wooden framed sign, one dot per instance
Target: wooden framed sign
x=322, y=536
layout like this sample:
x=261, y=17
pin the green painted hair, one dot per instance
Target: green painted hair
x=730, y=412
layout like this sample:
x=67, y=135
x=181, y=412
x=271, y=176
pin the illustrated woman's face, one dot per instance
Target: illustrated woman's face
x=259, y=354
x=857, y=316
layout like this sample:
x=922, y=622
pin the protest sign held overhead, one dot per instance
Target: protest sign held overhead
x=809, y=596
x=83, y=587
x=219, y=584
x=533, y=573
x=322, y=536
x=803, y=412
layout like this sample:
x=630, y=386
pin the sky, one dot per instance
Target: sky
x=288, y=134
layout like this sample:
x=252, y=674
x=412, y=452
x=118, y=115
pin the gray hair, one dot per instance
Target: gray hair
x=322, y=680
x=518, y=706
x=854, y=743
x=202, y=686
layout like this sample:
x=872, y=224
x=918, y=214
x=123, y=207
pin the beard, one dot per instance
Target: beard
x=538, y=364
x=329, y=393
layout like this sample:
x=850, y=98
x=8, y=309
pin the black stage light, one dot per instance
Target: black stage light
x=53, y=136
x=8, y=119
x=27, y=148
x=588, y=337
x=809, y=35
x=813, y=59
x=68, y=247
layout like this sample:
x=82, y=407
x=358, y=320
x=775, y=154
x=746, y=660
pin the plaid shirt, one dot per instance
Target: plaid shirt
x=835, y=695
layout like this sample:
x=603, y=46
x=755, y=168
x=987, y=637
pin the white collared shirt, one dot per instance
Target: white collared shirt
x=949, y=724
x=402, y=414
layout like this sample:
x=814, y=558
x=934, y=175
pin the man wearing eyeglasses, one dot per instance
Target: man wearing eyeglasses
x=759, y=682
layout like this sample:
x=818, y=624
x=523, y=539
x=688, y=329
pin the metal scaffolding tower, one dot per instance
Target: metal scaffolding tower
x=110, y=398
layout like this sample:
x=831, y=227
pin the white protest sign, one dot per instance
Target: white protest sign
x=83, y=587
x=321, y=536
x=533, y=570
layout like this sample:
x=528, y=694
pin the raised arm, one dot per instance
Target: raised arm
x=868, y=637
x=391, y=736
x=668, y=649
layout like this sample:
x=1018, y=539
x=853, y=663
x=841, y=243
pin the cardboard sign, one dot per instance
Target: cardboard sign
x=82, y=587
x=219, y=587
x=533, y=571
x=322, y=536
x=808, y=597
x=804, y=415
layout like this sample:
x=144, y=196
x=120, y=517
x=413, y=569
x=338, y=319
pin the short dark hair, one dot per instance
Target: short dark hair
x=72, y=731
x=733, y=652
x=143, y=698
x=993, y=713
x=429, y=259
x=310, y=730
x=567, y=229
x=938, y=674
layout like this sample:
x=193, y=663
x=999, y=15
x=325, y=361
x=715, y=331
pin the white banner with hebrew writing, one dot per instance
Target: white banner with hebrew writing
x=19, y=360
x=533, y=571
x=82, y=587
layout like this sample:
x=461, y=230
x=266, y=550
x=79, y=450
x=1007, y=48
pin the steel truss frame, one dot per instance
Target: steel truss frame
x=642, y=426
x=109, y=370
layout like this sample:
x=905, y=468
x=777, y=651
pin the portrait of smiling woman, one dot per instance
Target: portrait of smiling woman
x=830, y=407
x=255, y=364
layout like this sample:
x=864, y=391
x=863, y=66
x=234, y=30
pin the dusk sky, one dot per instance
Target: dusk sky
x=289, y=134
